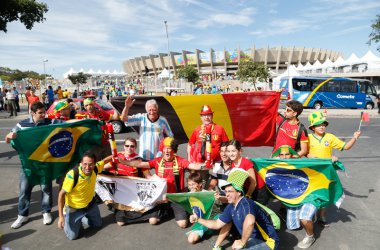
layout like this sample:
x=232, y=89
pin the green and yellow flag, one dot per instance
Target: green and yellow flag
x=48, y=152
x=298, y=181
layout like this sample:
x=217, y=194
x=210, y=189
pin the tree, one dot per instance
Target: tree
x=189, y=73
x=375, y=34
x=79, y=78
x=27, y=12
x=250, y=71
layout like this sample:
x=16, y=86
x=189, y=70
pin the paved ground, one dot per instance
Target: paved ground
x=354, y=226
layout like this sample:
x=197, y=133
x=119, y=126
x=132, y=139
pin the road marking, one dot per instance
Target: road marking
x=349, y=137
x=116, y=141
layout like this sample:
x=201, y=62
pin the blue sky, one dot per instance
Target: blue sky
x=101, y=34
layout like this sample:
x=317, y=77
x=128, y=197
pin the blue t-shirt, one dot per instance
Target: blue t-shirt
x=263, y=229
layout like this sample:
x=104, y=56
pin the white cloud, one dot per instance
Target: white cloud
x=242, y=18
x=282, y=27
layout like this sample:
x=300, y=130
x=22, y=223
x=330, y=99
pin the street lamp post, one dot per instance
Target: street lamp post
x=45, y=61
x=167, y=37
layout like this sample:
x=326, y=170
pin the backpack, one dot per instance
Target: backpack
x=76, y=174
x=271, y=215
x=301, y=128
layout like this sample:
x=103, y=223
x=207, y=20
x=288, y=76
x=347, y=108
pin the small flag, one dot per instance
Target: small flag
x=365, y=117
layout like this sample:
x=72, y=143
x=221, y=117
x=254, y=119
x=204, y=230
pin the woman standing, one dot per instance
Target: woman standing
x=254, y=186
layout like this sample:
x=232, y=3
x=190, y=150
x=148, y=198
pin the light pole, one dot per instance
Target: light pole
x=167, y=37
x=45, y=61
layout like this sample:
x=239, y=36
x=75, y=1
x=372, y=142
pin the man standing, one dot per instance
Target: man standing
x=11, y=103
x=50, y=96
x=103, y=150
x=153, y=127
x=37, y=118
x=77, y=196
x=290, y=130
x=254, y=226
x=205, y=140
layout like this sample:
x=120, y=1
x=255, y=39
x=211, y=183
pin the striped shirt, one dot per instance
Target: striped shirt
x=151, y=134
x=29, y=123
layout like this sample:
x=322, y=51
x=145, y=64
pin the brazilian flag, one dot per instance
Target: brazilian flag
x=199, y=202
x=298, y=181
x=48, y=152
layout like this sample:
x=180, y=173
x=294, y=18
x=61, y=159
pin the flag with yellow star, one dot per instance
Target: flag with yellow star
x=299, y=181
x=48, y=152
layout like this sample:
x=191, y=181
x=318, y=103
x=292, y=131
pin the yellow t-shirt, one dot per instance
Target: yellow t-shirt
x=84, y=191
x=322, y=148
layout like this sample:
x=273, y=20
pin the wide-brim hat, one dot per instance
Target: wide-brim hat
x=236, y=179
x=317, y=118
x=61, y=105
x=206, y=110
x=284, y=149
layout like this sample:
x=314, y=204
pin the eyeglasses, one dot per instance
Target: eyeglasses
x=129, y=146
x=289, y=110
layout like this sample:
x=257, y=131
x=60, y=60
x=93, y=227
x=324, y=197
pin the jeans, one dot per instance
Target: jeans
x=256, y=244
x=26, y=191
x=75, y=217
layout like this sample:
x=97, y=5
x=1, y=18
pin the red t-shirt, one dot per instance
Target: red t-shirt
x=101, y=116
x=218, y=135
x=247, y=164
x=124, y=169
x=33, y=99
x=168, y=172
x=287, y=134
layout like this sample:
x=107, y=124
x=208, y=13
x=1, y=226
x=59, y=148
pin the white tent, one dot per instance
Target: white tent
x=339, y=62
x=165, y=74
x=327, y=66
x=290, y=71
x=300, y=67
x=308, y=66
x=317, y=66
x=371, y=59
x=70, y=72
x=352, y=59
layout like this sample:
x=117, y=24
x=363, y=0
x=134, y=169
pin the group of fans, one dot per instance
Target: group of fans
x=215, y=163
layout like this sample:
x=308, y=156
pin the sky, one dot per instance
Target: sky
x=101, y=34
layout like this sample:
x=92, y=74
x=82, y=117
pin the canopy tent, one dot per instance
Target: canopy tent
x=165, y=74
x=290, y=71
x=372, y=61
x=352, y=59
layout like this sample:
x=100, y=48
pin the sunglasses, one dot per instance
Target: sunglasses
x=289, y=110
x=129, y=146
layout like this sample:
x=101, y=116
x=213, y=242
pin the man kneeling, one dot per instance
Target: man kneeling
x=77, y=195
x=255, y=228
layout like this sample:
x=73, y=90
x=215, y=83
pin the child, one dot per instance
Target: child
x=194, y=184
x=321, y=145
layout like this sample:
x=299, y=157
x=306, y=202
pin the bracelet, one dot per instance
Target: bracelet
x=248, y=196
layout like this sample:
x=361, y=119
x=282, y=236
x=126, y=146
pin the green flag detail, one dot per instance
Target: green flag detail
x=299, y=181
x=48, y=152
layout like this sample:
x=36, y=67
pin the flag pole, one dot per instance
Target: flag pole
x=361, y=120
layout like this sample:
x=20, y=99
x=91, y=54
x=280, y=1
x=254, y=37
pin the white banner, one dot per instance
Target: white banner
x=134, y=194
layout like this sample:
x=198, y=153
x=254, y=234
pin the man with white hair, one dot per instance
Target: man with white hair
x=153, y=127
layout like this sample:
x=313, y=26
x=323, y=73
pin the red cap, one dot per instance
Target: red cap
x=206, y=110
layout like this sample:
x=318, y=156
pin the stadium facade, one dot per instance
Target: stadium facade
x=215, y=63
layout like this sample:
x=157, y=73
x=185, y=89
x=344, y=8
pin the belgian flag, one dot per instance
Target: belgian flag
x=48, y=152
x=249, y=117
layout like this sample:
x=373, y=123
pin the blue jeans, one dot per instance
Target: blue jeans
x=26, y=191
x=75, y=217
x=256, y=244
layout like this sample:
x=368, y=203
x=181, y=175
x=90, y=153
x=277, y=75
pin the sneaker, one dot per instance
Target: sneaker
x=47, y=218
x=306, y=242
x=20, y=220
x=323, y=222
x=217, y=248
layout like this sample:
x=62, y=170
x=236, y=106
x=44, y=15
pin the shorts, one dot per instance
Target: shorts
x=130, y=217
x=169, y=209
x=295, y=214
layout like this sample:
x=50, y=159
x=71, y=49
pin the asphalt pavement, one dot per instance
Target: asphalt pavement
x=355, y=225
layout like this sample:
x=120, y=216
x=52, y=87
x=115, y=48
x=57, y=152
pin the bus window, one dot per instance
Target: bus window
x=301, y=85
x=332, y=86
x=366, y=87
x=348, y=86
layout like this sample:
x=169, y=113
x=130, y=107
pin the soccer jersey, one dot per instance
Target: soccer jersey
x=83, y=193
x=218, y=135
x=151, y=133
x=287, y=134
x=101, y=116
x=323, y=147
x=124, y=169
x=167, y=172
x=263, y=229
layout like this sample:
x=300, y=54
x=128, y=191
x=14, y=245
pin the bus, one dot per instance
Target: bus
x=329, y=92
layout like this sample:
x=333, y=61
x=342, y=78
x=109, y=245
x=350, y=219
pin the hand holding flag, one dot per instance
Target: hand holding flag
x=198, y=211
